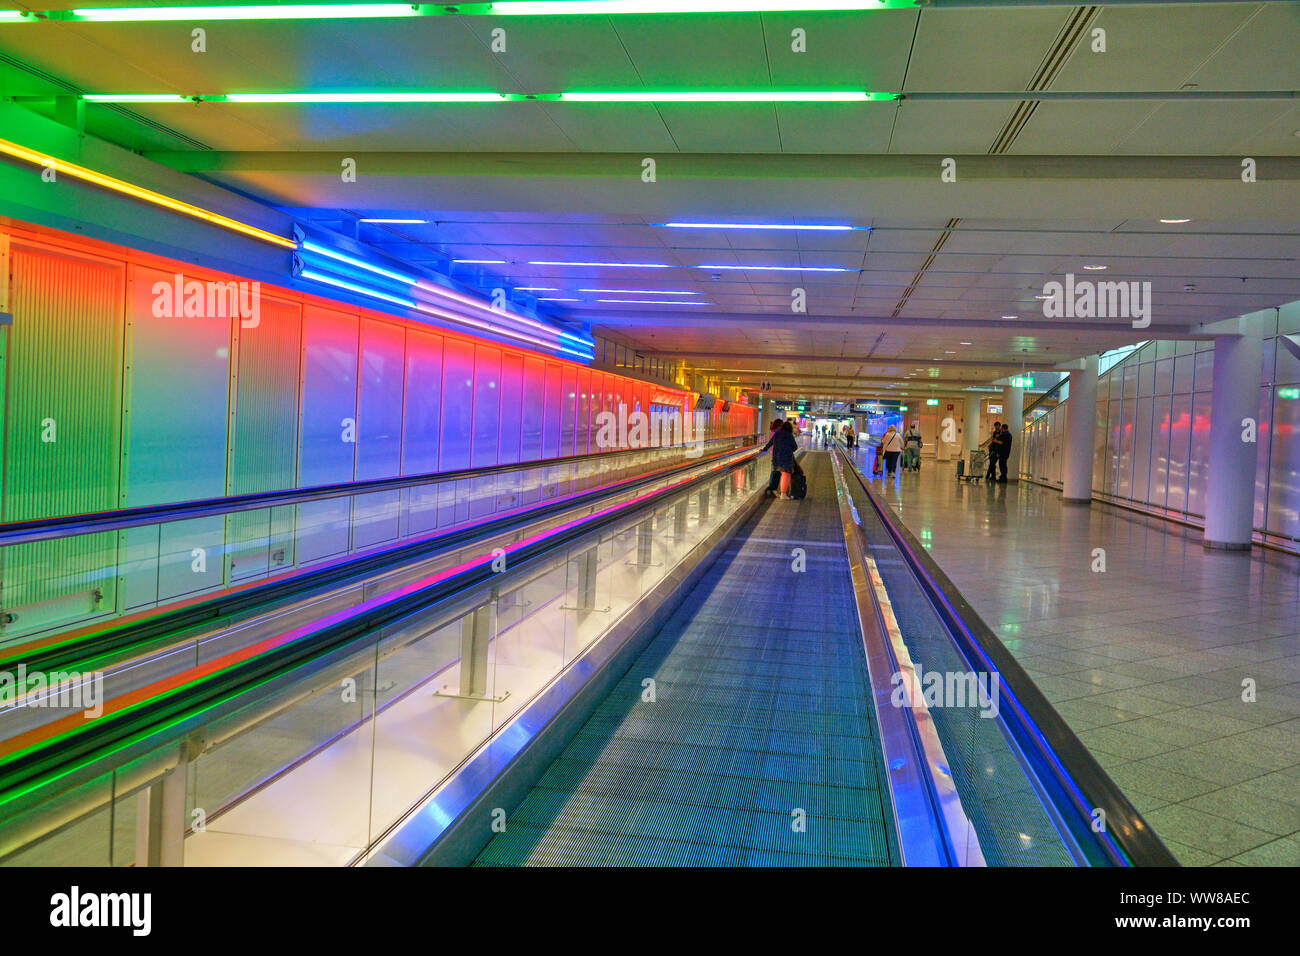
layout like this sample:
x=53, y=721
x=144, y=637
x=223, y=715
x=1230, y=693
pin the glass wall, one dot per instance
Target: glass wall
x=1153, y=430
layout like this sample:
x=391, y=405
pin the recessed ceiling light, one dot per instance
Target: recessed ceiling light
x=1010, y=316
x=1042, y=297
x=1096, y=268
x=1176, y=221
x=949, y=351
x=963, y=343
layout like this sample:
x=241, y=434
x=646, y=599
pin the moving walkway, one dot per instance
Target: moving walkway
x=683, y=673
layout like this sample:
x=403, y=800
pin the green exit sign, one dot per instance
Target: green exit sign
x=1022, y=381
x=902, y=408
x=1288, y=393
x=932, y=401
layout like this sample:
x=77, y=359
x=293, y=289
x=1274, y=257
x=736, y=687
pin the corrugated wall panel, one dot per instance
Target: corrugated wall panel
x=64, y=364
x=63, y=407
x=178, y=411
x=264, y=451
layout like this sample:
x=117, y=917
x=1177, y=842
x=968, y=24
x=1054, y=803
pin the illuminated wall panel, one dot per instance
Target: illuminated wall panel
x=264, y=436
x=63, y=406
x=328, y=428
x=487, y=405
x=178, y=393
x=379, y=429
x=423, y=401
x=219, y=401
x=458, y=405
x=569, y=411
x=551, y=446
x=534, y=410
x=512, y=411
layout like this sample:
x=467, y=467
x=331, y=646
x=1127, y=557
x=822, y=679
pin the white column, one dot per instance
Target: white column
x=973, y=403
x=1013, y=410
x=1080, y=433
x=1230, y=491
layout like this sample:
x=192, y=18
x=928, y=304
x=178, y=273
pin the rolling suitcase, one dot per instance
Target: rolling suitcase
x=799, y=485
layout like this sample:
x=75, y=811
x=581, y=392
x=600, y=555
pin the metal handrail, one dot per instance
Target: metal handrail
x=121, y=637
x=44, y=529
x=1059, y=759
x=180, y=710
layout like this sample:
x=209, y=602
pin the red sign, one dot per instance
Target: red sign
x=949, y=408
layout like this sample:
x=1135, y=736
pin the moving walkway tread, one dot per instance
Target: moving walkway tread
x=759, y=747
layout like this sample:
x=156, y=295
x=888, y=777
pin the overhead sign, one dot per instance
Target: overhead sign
x=1022, y=381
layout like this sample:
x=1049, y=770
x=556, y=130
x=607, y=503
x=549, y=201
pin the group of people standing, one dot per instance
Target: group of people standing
x=999, y=451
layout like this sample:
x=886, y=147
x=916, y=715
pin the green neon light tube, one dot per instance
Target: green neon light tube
x=296, y=11
x=549, y=8
x=136, y=98
x=630, y=96
x=725, y=96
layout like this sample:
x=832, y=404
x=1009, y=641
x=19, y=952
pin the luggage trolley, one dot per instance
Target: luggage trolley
x=978, y=465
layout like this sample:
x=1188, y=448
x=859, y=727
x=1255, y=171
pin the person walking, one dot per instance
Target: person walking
x=992, y=470
x=912, y=447
x=784, y=446
x=892, y=445
x=850, y=439
x=1004, y=452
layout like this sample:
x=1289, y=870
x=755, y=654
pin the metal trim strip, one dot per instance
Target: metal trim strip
x=932, y=826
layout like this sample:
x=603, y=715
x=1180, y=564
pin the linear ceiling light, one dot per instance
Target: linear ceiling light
x=611, y=265
x=640, y=291
x=137, y=98
x=479, y=262
x=480, y=96
x=653, y=302
x=417, y=284
x=378, y=97
x=397, y=222
x=260, y=11
x=334, y=98
x=755, y=225
x=543, y=8
x=138, y=192
x=780, y=268
x=536, y=8
x=725, y=96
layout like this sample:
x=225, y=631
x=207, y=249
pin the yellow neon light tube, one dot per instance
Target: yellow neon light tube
x=139, y=192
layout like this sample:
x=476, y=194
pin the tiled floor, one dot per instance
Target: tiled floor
x=1148, y=660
